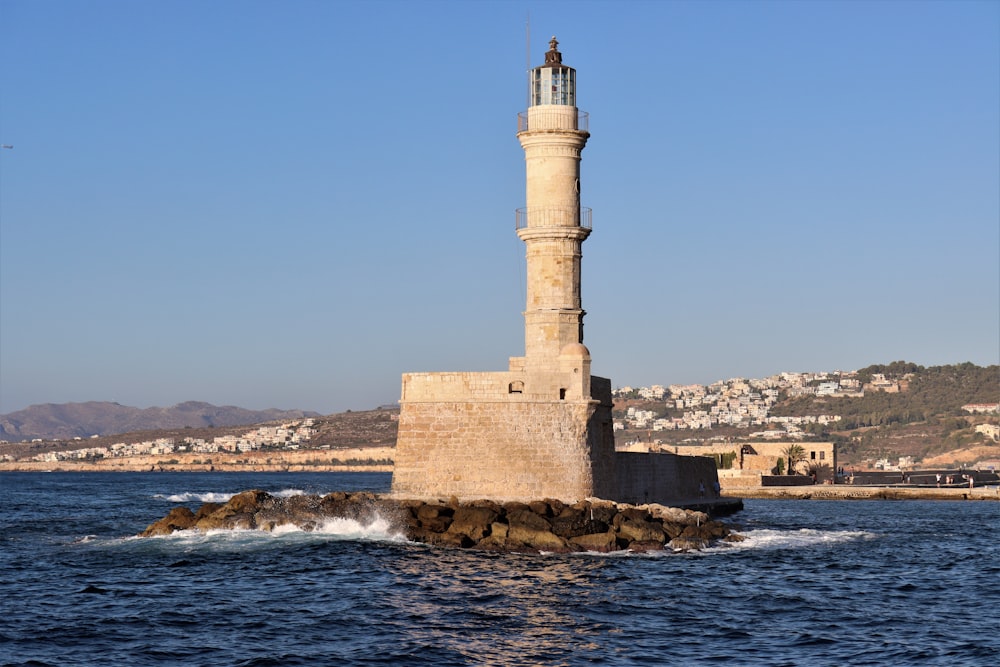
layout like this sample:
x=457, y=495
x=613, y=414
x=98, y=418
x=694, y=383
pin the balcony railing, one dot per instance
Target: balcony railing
x=553, y=216
x=555, y=121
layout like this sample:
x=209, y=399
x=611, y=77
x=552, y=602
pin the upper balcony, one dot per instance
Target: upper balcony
x=556, y=119
x=553, y=216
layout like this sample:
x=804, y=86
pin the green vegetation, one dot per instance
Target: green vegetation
x=724, y=461
x=925, y=418
x=932, y=392
x=794, y=454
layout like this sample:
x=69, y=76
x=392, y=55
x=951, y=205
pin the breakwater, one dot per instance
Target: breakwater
x=523, y=527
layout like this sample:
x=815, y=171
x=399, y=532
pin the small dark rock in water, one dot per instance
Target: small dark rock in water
x=94, y=590
x=543, y=525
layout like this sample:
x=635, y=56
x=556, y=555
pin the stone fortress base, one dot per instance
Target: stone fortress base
x=483, y=435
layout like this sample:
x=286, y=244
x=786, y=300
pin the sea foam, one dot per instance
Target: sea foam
x=216, y=497
x=767, y=538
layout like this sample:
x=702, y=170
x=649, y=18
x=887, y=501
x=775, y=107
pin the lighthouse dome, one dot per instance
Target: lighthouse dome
x=578, y=350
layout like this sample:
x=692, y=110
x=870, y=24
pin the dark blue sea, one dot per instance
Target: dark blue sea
x=815, y=583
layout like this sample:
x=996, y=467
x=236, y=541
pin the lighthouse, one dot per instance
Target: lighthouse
x=553, y=225
x=543, y=428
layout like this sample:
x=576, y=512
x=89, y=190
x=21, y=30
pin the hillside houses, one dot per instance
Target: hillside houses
x=739, y=402
x=285, y=436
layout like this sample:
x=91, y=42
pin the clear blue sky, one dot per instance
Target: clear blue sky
x=289, y=204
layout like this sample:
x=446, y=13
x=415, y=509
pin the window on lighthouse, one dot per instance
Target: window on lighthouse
x=554, y=85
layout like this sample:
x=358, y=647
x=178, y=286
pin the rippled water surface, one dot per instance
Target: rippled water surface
x=815, y=583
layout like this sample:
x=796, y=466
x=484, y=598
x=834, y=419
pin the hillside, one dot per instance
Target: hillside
x=924, y=419
x=66, y=421
x=920, y=415
x=346, y=430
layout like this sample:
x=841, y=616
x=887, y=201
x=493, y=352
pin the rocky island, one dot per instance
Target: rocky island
x=516, y=527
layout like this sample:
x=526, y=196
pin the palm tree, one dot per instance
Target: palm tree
x=794, y=454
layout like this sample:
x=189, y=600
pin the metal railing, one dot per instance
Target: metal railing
x=555, y=121
x=553, y=216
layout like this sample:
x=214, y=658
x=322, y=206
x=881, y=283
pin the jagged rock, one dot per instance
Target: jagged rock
x=547, y=508
x=545, y=525
x=576, y=524
x=532, y=530
x=600, y=542
x=687, y=544
x=179, y=518
x=634, y=513
x=642, y=546
x=675, y=514
x=473, y=522
x=514, y=506
x=446, y=539
x=434, y=511
x=239, y=512
x=488, y=504
x=437, y=524
x=638, y=530
x=205, y=510
x=499, y=530
x=715, y=529
x=304, y=511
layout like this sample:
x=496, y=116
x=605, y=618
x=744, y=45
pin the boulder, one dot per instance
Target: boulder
x=638, y=530
x=436, y=524
x=674, y=514
x=303, y=511
x=548, y=508
x=443, y=539
x=673, y=530
x=600, y=542
x=687, y=544
x=250, y=501
x=473, y=522
x=239, y=512
x=429, y=511
x=205, y=510
x=179, y=518
x=641, y=546
x=531, y=530
x=571, y=524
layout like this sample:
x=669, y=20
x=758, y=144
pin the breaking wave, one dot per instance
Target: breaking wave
x=330, y=530
x=771, y=539
x=214, y=497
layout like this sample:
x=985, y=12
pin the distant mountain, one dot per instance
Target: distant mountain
x=65, y=421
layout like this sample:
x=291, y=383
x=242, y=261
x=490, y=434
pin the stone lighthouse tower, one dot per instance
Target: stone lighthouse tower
x=543, y=428
x=553, y=226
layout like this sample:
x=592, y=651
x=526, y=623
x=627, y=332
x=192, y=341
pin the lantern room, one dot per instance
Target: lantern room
x=553, y=82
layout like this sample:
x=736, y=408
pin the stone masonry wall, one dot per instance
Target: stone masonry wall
x=466, y=435
x=501, y=450
x=662, y=477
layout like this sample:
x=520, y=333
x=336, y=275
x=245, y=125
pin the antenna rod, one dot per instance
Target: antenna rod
x=527, y=60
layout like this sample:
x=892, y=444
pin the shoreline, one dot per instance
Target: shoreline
x=851, y=492
x=166, y=468
x=814, y=492
x=353, y=459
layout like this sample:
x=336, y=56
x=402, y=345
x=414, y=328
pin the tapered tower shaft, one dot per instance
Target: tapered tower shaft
x=553, y=225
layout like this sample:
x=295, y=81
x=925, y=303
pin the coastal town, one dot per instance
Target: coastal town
x=745, y=403
x=286, y=436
